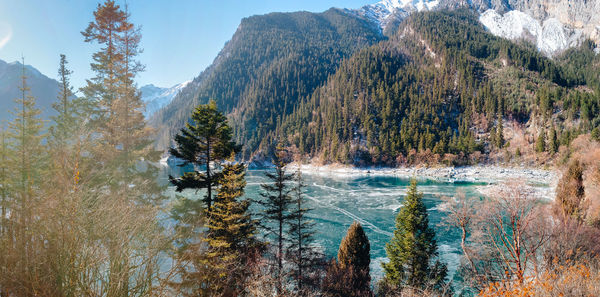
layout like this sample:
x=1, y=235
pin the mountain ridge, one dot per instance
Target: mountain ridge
x=43, y=88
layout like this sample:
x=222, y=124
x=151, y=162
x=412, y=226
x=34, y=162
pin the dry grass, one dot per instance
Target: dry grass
x=577, y=280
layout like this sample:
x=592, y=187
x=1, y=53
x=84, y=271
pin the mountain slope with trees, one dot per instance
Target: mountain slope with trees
x=442, y=90
x=271, y=62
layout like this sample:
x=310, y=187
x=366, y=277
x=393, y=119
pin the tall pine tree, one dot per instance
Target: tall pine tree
x=413, y=249
x=220, y=262
x=354, y=254
x=302, y=251
x=206, y=140
x=540, y=144
x=27, y=162
x=553, y=141
x=277, y=202
x=121, y=152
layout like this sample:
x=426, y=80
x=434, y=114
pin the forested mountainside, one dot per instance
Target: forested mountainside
x=443, y=85
x=442, y=88
x=271, y=62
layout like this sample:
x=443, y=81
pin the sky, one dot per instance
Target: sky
x=180, y=38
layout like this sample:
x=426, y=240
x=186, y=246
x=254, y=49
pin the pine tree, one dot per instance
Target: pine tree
x=499, y=139
x=230, y=239
x=596, y=134
x=570, y=193
x=277, y=202
x=64, y=229
x=553, y=141
x=64, y=122
x=301, y=250
x=27, y=162
x=4, y=178
x=540, y=144
x=122, y=151
x=205, y=140
x=413, y=249
x=354, y=255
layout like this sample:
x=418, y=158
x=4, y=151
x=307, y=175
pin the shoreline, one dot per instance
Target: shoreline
x=540, y=182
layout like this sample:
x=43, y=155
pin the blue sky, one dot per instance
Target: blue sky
x=180, y=37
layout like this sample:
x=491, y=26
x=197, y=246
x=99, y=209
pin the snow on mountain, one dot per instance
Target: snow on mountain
x=550, y=36
x=552, y=26
x=157, y=97
x=384, y=11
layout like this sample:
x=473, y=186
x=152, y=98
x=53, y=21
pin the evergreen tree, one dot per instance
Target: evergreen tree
x=553, y=141
x=27, y=161
x=277, y=202
x=413, y=249
x=302, y=251
x=354, y=254
x=4, y=186
x=500, y=133
x=204, y=141
x=64, y=122
x=596, y=134
x=570, y=193
x=121, y=151
x=540, y=144
x=230, y=239
x=69, y=136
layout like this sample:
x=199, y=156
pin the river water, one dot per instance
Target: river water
x=372, y=200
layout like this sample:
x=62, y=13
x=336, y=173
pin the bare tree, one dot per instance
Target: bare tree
x=510, y=229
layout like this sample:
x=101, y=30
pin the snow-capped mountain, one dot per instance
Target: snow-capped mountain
x=386, y=11
x=157, y=97
x=552, y=25
x=550, y=35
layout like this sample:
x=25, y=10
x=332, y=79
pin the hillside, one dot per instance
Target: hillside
x=443, y=90
x=269, y=64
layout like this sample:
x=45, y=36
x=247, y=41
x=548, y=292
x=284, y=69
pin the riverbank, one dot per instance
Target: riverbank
x=540, y=182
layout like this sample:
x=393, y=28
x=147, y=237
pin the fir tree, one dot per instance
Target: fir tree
x=122, y=148
x=277, y=202
x=540, y=144
x=301, y=250
x=553, y=141
x=413, y=249
x=206, y=139
x=4, y=186
x=596, y=134
x=354, y=254
x=570, y=193
x=230, y=240
x=499, y=137
x=27, y=162
x=64, y=122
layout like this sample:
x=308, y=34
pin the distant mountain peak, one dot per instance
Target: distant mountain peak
x=385, y=11
x=551, y=28
x=157, y=97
